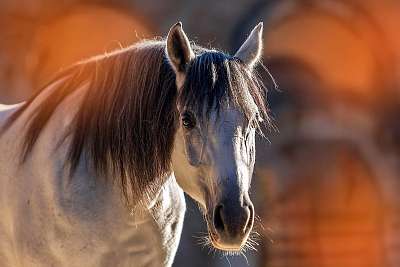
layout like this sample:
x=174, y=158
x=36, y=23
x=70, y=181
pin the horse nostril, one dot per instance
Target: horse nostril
x=218, y=220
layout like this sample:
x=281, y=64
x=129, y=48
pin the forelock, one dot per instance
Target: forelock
x=216, y=80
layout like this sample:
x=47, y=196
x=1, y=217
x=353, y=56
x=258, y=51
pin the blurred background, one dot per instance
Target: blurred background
x=327, y=185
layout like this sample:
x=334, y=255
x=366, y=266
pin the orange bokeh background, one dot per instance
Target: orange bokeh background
x=327, y=191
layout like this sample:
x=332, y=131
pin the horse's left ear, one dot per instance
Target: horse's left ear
x=250, y=51
x=179, y=52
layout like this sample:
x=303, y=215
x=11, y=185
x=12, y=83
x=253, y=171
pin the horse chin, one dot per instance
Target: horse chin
x=228, y=248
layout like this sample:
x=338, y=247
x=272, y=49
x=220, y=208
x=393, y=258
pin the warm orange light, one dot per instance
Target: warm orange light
x=327, y=216
x=353, y=54
x=80, y=33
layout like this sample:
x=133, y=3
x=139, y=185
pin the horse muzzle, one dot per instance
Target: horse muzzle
x=231, y=224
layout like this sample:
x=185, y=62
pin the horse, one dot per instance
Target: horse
x=94, y=166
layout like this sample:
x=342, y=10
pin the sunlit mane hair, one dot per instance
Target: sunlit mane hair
x=126, y=123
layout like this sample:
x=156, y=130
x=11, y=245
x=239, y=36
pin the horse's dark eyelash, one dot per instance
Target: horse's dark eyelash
x=189, y=116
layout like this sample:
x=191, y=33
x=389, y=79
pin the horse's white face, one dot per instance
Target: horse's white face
x=214, y=155
x=219, y=158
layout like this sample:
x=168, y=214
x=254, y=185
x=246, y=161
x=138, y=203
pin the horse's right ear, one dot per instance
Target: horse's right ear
x=179, y=52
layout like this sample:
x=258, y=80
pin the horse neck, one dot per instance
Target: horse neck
x=58, y=123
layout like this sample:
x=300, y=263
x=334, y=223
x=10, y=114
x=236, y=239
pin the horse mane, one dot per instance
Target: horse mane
x=126, y=123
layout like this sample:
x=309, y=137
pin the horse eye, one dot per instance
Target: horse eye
x=188, y=120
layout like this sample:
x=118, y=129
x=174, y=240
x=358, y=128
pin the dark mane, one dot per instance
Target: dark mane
x=127, y=120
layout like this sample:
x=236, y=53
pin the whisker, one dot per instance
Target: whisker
x=244, y=256
x=228, y=261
